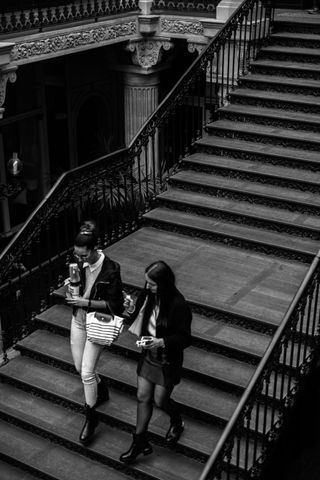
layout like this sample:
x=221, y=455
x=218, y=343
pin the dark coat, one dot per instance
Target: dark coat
x=108, y=287
x=176, y=335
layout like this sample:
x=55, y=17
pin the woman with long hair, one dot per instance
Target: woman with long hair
x=162, y=314
x=101, y=290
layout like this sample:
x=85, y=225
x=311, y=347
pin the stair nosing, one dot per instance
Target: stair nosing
x=274, y=196
x=193, y=160
x=240, y=236
x=249, y=215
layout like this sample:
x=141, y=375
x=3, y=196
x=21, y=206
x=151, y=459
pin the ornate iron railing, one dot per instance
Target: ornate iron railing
x=249, y=436
x=185, y=6
x=117, y=189
x=22, y=15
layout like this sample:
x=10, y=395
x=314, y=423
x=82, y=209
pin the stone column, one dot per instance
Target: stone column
x=140, y=98
x=141, y=82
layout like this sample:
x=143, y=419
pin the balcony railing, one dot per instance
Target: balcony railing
x=118, y=188
x=185, y=6
x=25, y=15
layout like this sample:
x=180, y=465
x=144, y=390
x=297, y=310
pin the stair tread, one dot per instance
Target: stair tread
x=54, y=460
x=237, y=230
x=203, y=328
x=253, y=188
x=109, y=442
x=261, y=288
x=296, y=35
x=278, y=79
x=265, y=130
x=121, y=405
x=243, y=207
x=197, y=395
x=195, y=359
x=251, y=166
x=272, y=113
x=273, y=95
x=290, y=50
x=256, y=148
x=286, y=65
x=9, y=472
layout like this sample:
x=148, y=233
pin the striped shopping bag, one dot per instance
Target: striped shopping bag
x=103, y=329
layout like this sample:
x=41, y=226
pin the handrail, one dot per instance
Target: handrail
x=259, y=372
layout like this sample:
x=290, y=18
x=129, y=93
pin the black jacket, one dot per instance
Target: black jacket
x=176, y=335
x=108, y=287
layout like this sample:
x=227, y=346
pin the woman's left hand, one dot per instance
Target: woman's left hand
x=77, y=301
x=154, y=343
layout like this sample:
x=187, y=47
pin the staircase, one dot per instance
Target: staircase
x=240, y=225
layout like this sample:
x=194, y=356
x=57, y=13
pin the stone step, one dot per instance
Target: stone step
x=209, y=332
x=254, y=170
x=292, y=69
x=280, y=100
x=63, y=426
x=288, y=54
x=195, y=397
x=198, y=363
x=281, y=84
x=302, y=140
x=297, y=23
x=198, y=439
x=228, y=232
x=258, y=151
x=245, y=189
x=309, y=40
x=239, y=287
x=43, y=458
x=10, y=472
x=262, y=216
x=271, y=116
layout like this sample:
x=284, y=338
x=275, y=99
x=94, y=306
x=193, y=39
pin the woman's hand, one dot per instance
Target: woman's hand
x=77, y=301
x=154, y=343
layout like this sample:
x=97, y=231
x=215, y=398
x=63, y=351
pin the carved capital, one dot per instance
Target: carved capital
x=148, y=53
x=6, y=74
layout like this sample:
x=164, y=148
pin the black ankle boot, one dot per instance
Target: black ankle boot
x=103, y=393
x=89, y=425
x=175, y=430
x=139, y=445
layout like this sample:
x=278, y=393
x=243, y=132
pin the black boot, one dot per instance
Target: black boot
x=139, y=445
x=175, y=430
x=103, y=393
x=89, y=425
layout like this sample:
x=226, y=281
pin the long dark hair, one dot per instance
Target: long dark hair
x=87, y=236
x=160, y=273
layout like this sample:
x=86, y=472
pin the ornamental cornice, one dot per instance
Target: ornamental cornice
x=148, y=53
x=72, y=40
x=181, y=26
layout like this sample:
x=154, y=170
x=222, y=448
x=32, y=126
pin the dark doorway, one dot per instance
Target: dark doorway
x=94, y=137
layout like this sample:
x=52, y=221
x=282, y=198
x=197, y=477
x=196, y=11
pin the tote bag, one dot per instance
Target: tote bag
x=102, y=328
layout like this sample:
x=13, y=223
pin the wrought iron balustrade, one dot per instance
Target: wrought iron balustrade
x=118, y=188
x=202, y=6
x=250, y=434
x=24, y=15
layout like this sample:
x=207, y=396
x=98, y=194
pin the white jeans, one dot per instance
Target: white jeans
x=85, y=356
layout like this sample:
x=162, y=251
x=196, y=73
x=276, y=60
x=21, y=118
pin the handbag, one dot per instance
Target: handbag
x=102, y=328
x=136, y=327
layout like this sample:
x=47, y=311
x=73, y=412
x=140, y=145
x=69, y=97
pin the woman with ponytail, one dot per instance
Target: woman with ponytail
x=162, y=314
x=101, y=290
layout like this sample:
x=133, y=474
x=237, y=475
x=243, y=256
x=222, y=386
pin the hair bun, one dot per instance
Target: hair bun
x=88, y=228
